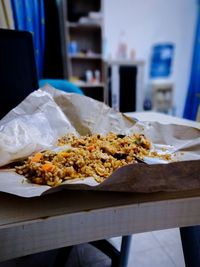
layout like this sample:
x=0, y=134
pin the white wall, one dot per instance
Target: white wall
x=147, y=22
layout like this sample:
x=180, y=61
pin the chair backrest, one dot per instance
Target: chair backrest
x=18, y=74
x=62, y=85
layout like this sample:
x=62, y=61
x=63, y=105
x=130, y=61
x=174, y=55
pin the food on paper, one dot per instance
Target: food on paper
x=96, y=156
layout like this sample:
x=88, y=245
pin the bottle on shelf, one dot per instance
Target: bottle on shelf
x=122, y=47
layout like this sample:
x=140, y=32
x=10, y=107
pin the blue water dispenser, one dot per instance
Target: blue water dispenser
x=161, y=60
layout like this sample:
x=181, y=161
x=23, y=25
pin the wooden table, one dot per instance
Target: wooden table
x=66, y=218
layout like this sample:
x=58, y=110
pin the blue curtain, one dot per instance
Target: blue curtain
x=29, y=16
x=192, y=100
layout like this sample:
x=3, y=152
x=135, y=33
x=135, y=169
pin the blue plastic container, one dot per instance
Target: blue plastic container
x=73, y=48
x=161, y=60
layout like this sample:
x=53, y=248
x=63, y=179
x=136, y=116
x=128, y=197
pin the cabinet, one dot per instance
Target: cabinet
x=82, y=42
x=125, y=85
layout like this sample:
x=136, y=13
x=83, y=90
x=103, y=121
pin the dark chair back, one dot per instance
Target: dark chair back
x=18, y=75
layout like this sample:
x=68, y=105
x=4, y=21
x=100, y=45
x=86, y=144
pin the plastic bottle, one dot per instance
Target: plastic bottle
x=122, y=47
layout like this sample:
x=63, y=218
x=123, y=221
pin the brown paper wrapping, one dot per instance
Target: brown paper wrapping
x=47, y=114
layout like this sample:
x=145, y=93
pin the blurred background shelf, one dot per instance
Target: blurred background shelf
x=79, y=56
x=82, y=42
x=78, y=25
x=89, y=85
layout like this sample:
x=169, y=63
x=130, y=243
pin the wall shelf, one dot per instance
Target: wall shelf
x=78, y=25
x=89, y=85
x=86, y=57
x=83, y=34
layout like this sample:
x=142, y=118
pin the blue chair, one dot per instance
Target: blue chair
x=62, y=85
x=190, y=237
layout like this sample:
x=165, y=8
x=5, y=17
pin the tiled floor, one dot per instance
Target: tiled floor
x=152, y=249
x=157, y=249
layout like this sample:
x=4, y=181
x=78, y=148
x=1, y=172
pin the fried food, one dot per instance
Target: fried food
x=96, y=156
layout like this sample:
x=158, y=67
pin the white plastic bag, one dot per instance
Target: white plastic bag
x=33, y=125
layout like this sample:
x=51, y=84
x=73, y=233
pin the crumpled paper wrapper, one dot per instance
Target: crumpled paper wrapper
x=47, y=114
